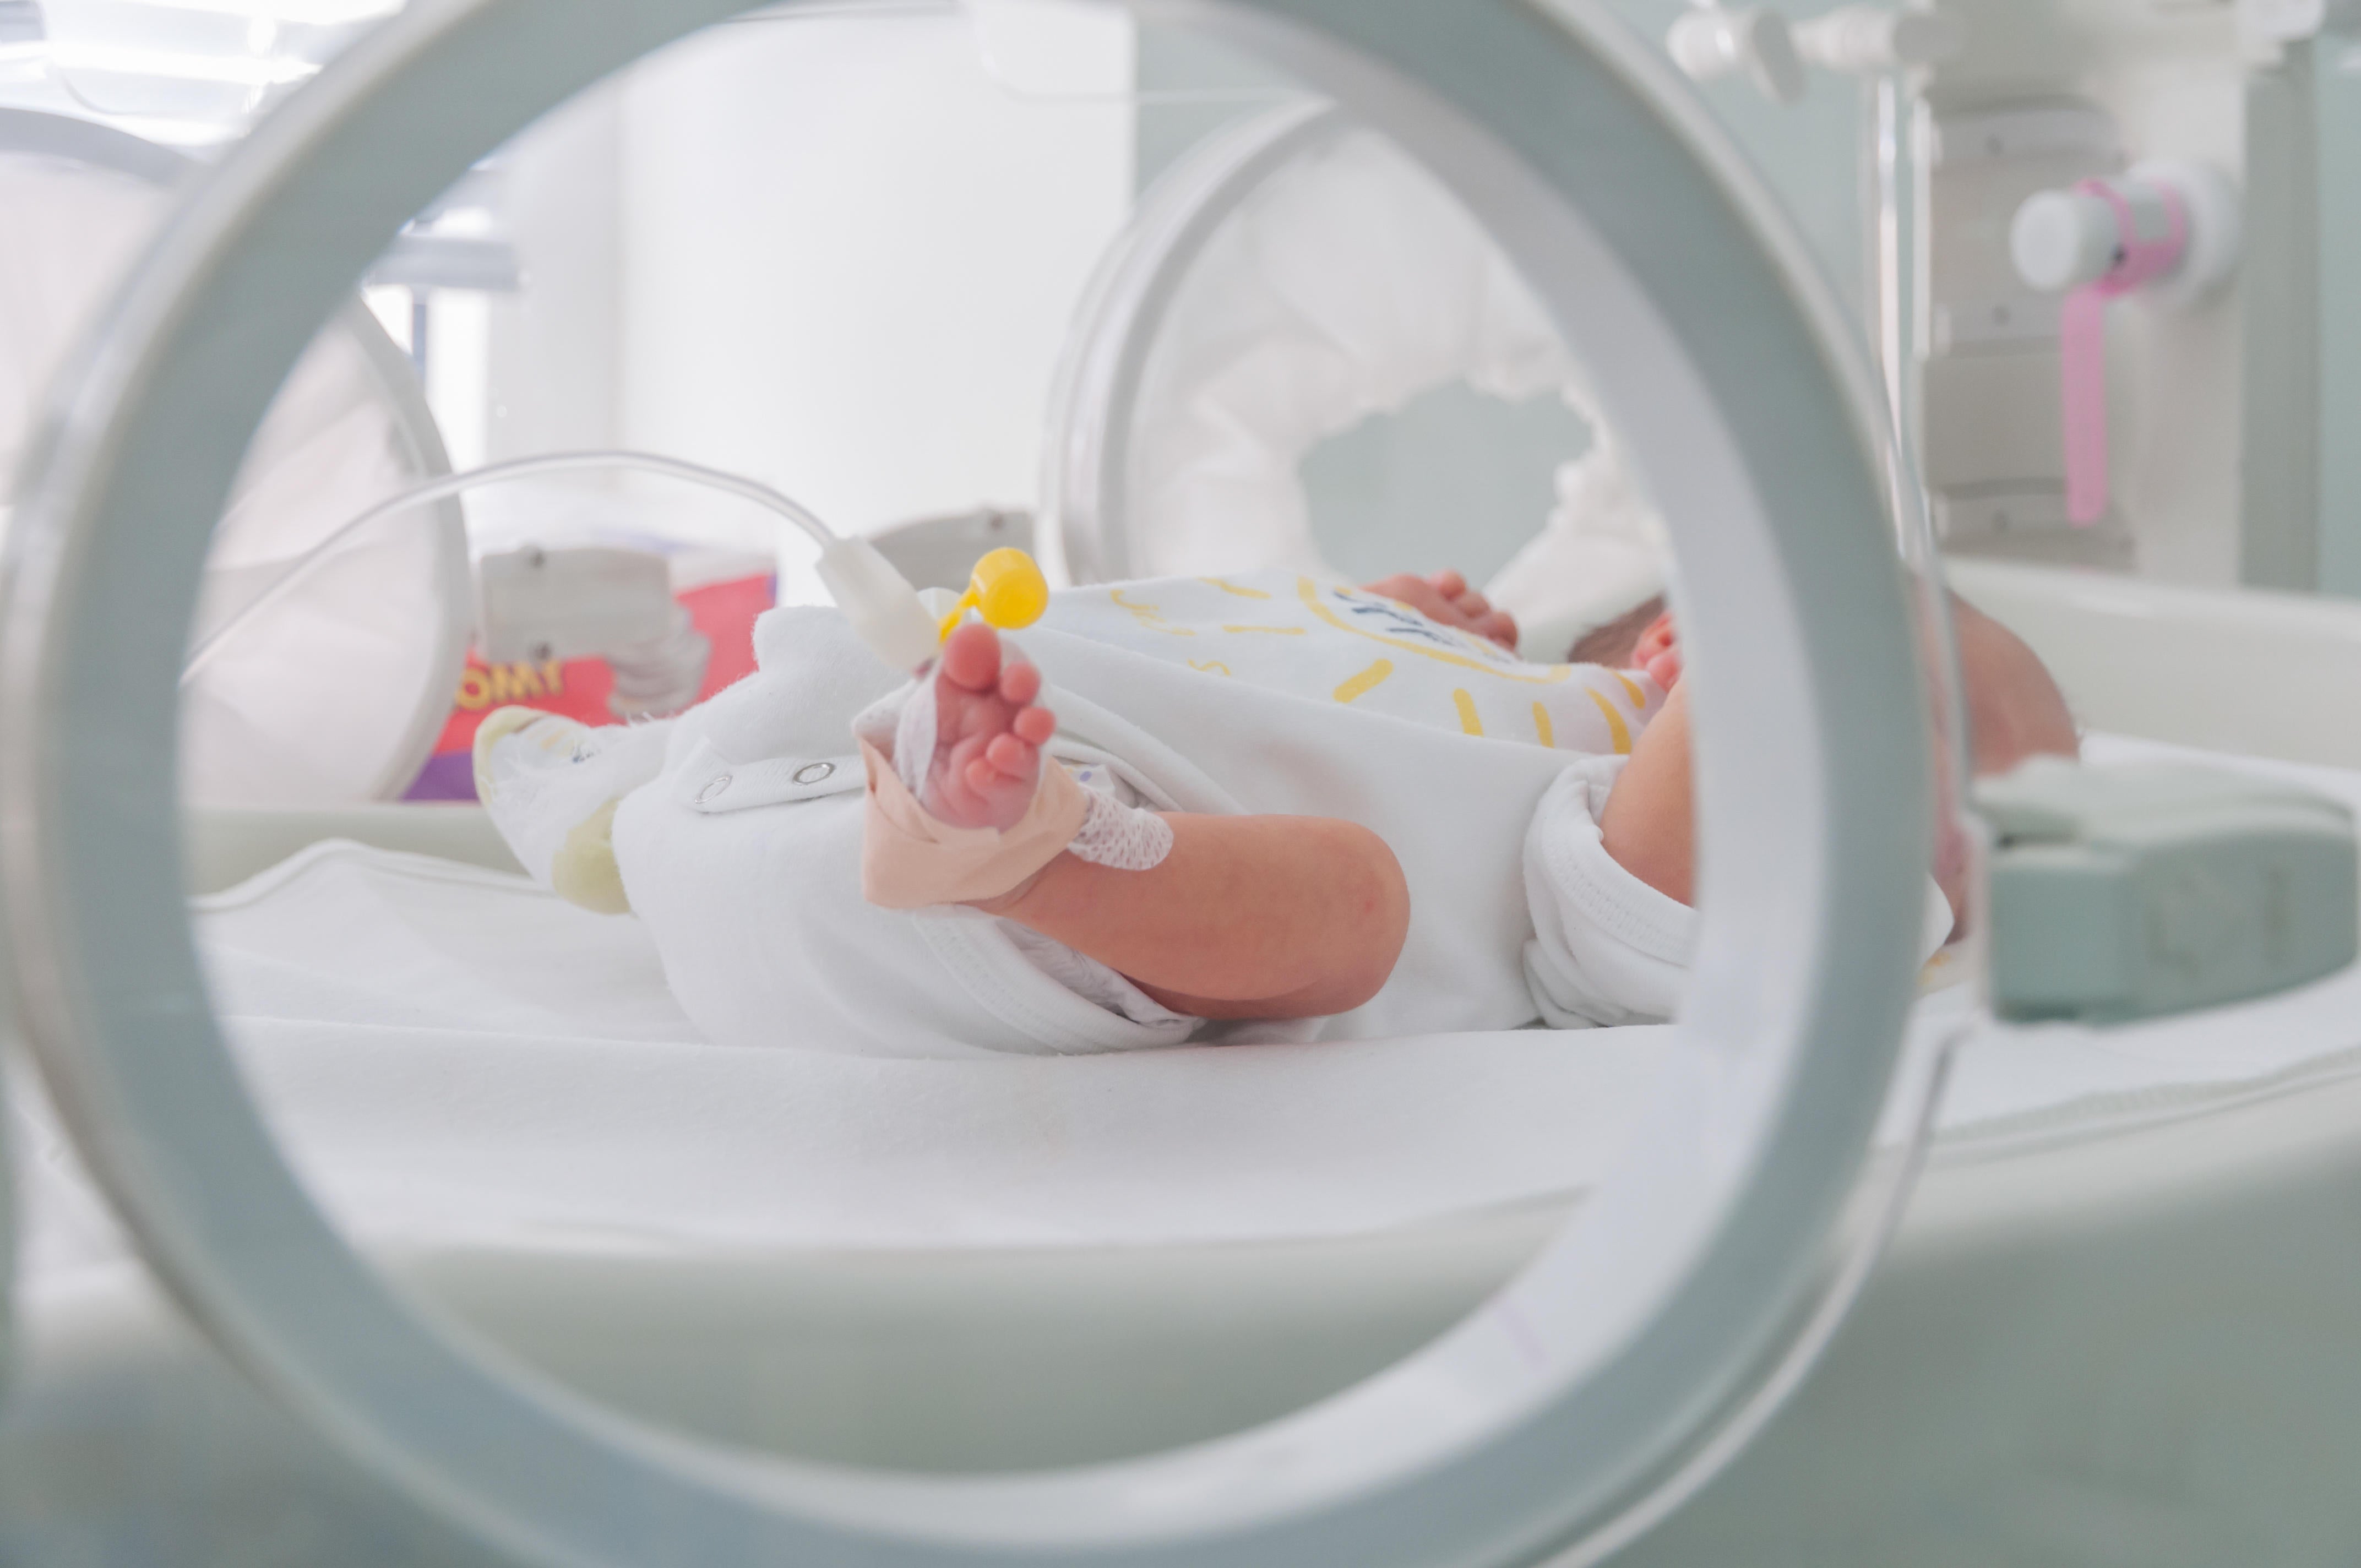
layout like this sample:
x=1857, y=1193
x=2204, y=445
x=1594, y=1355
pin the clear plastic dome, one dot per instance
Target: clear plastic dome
x=328, y=699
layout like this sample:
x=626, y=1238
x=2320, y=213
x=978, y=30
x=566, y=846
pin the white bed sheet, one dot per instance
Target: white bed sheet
x=452, y=1056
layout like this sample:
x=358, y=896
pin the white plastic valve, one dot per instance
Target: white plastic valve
x=2063, y=240
x=1711, y=41
x=1863, y=40
x=2168, y=232
x=884, y=609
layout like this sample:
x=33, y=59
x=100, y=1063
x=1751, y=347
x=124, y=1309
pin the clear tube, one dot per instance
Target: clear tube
x=450, y=484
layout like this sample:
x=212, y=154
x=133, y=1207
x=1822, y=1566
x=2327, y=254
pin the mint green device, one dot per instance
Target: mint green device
x=2128, y=892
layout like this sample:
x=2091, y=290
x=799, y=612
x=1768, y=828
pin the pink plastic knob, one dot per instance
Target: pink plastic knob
x=2082, y=341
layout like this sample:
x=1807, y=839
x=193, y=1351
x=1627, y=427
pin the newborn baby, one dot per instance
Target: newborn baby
x=1312, y=811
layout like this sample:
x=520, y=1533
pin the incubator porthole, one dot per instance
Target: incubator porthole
x=1327, y=1278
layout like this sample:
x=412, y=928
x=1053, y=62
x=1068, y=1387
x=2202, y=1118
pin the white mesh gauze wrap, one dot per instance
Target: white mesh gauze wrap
x=911, y=713
x=1121, y=837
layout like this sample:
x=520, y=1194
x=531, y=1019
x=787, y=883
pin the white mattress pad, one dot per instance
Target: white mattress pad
x=451, y=1056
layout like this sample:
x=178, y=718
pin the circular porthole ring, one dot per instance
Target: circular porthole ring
x=1516, y=1431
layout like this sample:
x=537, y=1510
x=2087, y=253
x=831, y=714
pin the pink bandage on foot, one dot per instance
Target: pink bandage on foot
x=909, y=860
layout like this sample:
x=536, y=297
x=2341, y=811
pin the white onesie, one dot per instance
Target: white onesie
x=1268, y=693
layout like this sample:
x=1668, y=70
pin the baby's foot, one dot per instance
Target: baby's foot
x=552, y=785
x=988, y=734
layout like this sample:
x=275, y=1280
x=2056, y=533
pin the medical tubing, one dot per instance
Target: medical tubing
x=1738, y=1431
x=450, y=484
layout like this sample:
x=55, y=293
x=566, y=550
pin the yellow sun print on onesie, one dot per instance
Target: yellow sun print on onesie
x=1367, y=681
x=1618, y=731
x=1149, y=616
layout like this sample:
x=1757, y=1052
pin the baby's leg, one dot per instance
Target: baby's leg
x=988, y=734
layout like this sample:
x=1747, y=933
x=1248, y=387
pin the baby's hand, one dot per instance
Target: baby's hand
x=1658, y=652
x=1446, y=597
x=988, y=734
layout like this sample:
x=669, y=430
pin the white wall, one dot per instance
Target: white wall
x=555, y=376
x=849, y=256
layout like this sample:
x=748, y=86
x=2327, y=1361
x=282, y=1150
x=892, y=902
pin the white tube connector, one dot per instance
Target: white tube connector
x=1868, y=41
x=1711, y=42
x=2063, y=240
x=1714, y=40
x=884, y=609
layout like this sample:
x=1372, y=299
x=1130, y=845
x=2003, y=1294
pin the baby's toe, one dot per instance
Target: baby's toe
x=1020, y=682
x=1034, y=724
x=1010, y=755
x=970, y=657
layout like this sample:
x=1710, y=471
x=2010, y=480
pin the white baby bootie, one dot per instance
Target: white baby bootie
x=552, y=785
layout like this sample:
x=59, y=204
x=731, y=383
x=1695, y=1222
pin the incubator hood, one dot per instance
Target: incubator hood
x=1289, y=279
x=1640, y=1346
x=334, y=699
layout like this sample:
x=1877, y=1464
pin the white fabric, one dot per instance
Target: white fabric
x=902, y=725
x=454, y=1055
x=1349, y=283
x=1264, y=693
x=541, y=780
x=1602, y=553
x=1092, y=980
x=1607, y=948
x=1341, y=649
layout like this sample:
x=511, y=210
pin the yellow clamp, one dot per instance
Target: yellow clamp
x=1006, y=588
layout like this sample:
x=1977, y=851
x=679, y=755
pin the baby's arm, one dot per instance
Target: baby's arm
x=1244, y=918
x=1648, y=825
